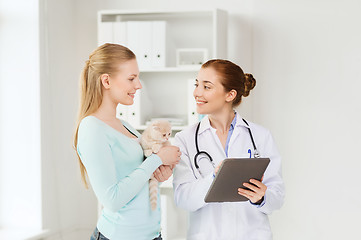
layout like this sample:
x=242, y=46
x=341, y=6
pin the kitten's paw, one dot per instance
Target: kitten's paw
x=156, y=148
x=148, y=152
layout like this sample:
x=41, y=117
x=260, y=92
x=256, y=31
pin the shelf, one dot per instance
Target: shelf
x=172, y=69
x=144, y=12
x=174, y=128
x=158, y=38
x=121, y=15
x=168, y=183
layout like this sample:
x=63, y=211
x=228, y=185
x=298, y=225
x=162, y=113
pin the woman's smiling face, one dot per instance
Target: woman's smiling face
x=125, y=83
x=209, y=92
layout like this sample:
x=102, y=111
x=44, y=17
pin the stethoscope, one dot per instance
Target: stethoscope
x=256, y=153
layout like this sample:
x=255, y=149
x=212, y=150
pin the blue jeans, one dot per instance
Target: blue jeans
x=98, y=236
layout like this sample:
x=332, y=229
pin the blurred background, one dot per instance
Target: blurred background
x=305, y=55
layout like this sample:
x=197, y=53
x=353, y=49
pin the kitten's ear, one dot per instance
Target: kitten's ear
x=156, y=128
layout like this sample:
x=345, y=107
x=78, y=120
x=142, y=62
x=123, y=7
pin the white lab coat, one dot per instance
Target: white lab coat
x=225, y=221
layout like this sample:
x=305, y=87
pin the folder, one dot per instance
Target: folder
x=133, y=114
x=147, y=39
x=192, y=108
x=158, y=44
x=145, y=44
x=133, y=37
x=105, y=33
x=122, y=112
x=120, y=33
x=139, y=41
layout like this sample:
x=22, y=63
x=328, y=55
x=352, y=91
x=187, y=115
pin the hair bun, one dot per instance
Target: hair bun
x=249, y=84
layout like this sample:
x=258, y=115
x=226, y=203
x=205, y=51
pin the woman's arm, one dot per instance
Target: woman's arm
x=163, y=173
x=96, y=155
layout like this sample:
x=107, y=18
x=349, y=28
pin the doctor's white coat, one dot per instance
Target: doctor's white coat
x=225, y=221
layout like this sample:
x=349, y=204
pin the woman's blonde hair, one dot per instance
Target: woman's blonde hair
x=104, y=60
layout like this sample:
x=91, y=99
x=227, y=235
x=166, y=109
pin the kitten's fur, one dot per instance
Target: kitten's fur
x=153, y=138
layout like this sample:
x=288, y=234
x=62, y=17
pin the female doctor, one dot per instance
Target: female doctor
x=223, y=133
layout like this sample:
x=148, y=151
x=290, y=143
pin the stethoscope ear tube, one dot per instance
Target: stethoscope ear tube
x=256, y=153
x=200, y=152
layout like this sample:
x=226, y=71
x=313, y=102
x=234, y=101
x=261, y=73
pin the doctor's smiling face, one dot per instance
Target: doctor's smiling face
x=209, y=93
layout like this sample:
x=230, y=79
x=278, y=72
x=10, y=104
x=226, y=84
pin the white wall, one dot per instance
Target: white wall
x=68, y=208
x=307, y=58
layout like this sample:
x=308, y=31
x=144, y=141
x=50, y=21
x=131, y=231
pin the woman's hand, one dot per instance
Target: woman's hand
x=170, y=155
x=163, y=173
x=256, y=192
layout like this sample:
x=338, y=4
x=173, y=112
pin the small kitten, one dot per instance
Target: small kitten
x=153, y=138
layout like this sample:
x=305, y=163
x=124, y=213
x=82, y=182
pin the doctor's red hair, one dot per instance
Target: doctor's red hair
x=232, y=78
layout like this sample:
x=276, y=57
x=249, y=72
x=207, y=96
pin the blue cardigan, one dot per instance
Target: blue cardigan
x=119, y=178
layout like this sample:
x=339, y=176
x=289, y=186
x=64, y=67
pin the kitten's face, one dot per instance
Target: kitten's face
x=161, y=131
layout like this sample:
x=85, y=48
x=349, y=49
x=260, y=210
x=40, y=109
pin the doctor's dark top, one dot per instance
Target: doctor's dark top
x=221, y=221
x=119, y=178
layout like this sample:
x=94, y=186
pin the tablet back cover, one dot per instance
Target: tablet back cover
x=231, y=176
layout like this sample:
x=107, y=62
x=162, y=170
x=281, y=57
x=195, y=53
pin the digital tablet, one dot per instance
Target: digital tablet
x=231, y=176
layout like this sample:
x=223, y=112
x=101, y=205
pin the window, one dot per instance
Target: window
x=20, y=165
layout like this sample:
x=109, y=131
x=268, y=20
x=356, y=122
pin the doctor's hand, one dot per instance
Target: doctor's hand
x=170, y=155
x=163, y=173
x=256, y=192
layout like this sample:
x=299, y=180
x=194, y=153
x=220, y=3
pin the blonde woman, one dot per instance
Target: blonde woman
x=109, y=153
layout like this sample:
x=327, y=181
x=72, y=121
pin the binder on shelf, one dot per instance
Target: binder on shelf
x=145, y=44
x=130, y=113
x=133, y=37
x=139, y=41
x=147, y=39
x=120, y=33
x=133, y=116
x=158, y=44
x=122, y=112
x=192, y=108
x=105, y=32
